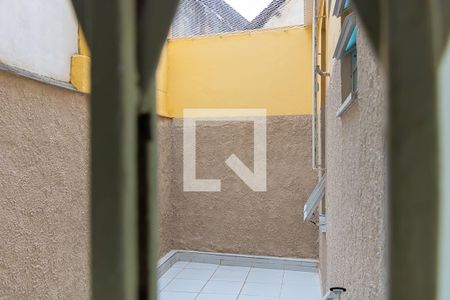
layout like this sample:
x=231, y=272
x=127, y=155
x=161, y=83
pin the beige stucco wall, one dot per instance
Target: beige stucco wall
x=165, y=171
x=237, y=219
x=353, y=249
x=44, y=228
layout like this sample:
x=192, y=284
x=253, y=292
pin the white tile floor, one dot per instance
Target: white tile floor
x=200, y=281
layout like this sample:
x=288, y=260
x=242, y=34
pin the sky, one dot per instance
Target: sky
x=249, y=8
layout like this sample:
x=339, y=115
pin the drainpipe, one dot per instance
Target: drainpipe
x=315, y=165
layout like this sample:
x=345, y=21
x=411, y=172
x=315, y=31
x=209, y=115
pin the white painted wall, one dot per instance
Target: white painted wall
x=308, y=6
x=290, y=14
x=39, y=36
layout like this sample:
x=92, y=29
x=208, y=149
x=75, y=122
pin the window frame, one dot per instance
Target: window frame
x=341, y=6
x=346, y=52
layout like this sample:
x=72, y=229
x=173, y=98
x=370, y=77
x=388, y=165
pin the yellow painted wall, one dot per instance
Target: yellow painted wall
x=268, y=69
x=161, y=84
x=80, y=67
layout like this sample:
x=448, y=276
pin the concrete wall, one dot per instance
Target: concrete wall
x=44, y=212
x=238, y=220
x=39, y=36
x=353, y=249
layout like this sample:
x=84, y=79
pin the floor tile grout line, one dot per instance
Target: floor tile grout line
x=243, y=284
x=185, y=267
x=282, y=283
x=215, y=270
x=175, y=276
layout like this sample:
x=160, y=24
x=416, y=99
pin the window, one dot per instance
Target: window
x=351, y=53
x=341, y=6
x=354, y=65
x=347, y=4
x=347, y=38
x=346, y=52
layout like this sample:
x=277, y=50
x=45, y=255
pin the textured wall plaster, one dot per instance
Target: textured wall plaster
x=44, y=227
x=238, y=220
x=356, y=173
x=165, y=182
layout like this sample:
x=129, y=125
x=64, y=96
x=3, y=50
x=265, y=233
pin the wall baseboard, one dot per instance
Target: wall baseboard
x=226, y=259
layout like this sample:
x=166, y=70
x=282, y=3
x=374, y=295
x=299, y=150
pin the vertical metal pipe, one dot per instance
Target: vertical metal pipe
x=413, y=156
x=123, y=162
x=154, y=20
x=314, y=85
x=114, y=237
x=153, y=210
x=144, y=136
